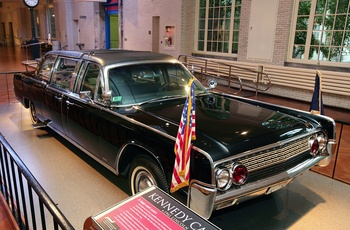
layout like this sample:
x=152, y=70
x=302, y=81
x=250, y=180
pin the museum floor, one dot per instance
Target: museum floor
x=82, y=188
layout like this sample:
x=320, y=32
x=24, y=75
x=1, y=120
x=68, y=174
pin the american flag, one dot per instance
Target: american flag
x=186, y=133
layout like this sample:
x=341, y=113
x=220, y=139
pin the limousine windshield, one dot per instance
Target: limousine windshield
x=140, y=83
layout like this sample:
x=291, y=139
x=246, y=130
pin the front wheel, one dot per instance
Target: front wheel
x=144, y=173
x=33, y=114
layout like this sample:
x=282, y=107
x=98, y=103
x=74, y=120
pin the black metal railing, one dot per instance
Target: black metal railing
x=30, y=205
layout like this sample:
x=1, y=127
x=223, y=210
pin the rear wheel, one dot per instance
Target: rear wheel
x=33, y=114
x=144, y=173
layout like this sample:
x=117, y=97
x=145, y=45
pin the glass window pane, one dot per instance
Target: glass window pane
x=324, y=52
x=337, y=38
x=202, y=13
x=216, y=12
x=318, y=23
x=327, y=37
x=236, y=25
x=298, y=52
x=228, y=12
x=345, y=57
x=201, y=35
x=343, y=6
x=226, y=36
x=210, y=24
x=201, y=45
x=201, y=24
x=316, y=38
x=222, y=12
x=210, y=35
x=209, y=47
x=320, y=7
x=220, y=47
x=237, y=11
x=226, y=46
x=340, y=22
x=334, y=54
x=227, y=24
x=302, y=23
x=235, y=36
x=202, y=3
x=304, y=8
x=331, y=6
x=300, y=37
x=211, y=12
x=314, y=53
x=234, y=48
x=347, y=39
x=328, y=23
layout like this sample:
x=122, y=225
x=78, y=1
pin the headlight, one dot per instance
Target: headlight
x=322, y=141
x=223, y=178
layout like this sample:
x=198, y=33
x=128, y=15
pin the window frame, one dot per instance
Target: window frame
x=231, y=30
x=309, y=32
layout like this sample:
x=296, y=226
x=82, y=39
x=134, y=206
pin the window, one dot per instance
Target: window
x=146, y=82
x=91, y=79
x=218, y=26
x=37, y=23
x=322, y=31
x=45, y=69
x=51, y=19
x=62, y=76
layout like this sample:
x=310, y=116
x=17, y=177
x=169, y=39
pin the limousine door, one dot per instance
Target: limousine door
x=56, y=93
x=53, y=110
x=82, y=123
x=82, y=114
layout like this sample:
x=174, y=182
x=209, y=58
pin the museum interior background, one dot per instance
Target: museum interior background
x=298, y=37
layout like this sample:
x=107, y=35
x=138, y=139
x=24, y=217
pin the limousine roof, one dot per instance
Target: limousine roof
x=115, y=56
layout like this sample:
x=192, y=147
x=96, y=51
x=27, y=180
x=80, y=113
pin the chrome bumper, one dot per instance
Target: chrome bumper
x=204, y=199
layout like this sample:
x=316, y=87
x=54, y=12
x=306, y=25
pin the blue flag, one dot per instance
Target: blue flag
x=316, y=102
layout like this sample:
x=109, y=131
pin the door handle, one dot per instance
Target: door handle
x=58, y=98
x=69, y=103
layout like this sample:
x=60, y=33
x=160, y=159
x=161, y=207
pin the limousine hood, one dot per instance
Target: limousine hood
x=227, y=126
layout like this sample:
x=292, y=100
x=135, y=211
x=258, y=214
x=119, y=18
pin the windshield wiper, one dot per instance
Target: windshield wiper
x=161, y=99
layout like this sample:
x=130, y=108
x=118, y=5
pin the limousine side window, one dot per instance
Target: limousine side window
x=63, y=72
x=45, y=68
x=90, y=79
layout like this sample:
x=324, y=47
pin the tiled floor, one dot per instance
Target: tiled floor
x=82, y=188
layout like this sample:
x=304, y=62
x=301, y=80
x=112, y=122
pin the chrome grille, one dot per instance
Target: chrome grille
x=276, y=155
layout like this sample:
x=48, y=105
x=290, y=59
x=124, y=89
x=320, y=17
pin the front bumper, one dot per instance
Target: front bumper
x=204, y=198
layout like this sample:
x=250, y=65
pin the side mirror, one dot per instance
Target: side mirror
x=212, y=83
x=85, y=95
x=107, y=95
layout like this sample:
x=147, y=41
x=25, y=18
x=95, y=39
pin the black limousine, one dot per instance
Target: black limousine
x=123, y=109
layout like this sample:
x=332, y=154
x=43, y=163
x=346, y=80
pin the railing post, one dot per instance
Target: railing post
x=258, y=78
x=229, y=79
